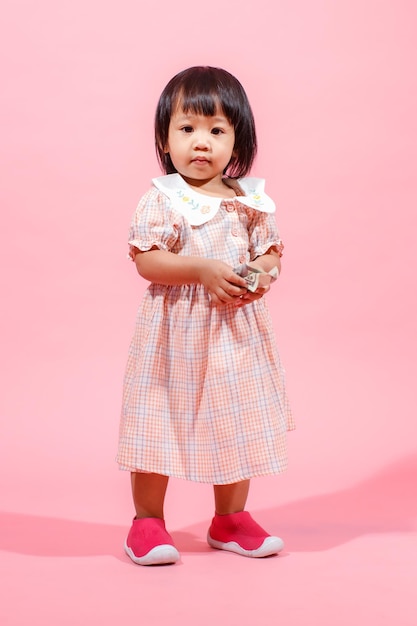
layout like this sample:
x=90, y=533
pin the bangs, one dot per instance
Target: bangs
x=206, y=91
x=204, y=100
x=199, y=103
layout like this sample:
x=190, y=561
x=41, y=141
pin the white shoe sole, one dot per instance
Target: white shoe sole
x=270, y=546
x=160, y=555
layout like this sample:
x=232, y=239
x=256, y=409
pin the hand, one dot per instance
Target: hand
x=222, y=284
x=263, y=288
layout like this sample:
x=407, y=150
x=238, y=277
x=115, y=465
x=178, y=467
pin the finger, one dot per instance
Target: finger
x=214, y=299
x=234, y=290
x=248, y=298
x=221, y=297
x=237, y=280
x=263, y=289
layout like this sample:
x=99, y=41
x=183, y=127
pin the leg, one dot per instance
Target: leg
x=233, y=528
x=148, y=491
x=231, y=498
x=148, y=542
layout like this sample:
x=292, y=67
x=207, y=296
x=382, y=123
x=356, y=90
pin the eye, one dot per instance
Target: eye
x=217, y=131
x=187, y=129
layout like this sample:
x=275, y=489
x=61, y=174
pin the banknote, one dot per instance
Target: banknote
x=252, y=275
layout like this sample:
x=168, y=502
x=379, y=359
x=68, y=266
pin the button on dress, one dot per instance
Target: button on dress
x=204, y=394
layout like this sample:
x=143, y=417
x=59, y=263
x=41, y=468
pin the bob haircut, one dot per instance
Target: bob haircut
x=201, y=90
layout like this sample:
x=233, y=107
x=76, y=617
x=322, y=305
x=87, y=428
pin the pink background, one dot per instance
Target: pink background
x=333, y=88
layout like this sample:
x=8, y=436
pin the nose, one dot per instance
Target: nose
x=201, y=140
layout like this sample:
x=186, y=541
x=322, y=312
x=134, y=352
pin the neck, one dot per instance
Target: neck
x=212, y=187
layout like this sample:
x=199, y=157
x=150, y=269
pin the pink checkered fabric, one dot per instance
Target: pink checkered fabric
x=204, y=390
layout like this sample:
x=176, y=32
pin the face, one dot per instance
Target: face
x=200, y=146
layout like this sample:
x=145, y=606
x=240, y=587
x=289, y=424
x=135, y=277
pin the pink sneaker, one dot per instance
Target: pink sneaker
x=148, y=543
x=239, y=533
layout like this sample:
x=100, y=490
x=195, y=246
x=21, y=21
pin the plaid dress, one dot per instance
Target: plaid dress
x=204, y=390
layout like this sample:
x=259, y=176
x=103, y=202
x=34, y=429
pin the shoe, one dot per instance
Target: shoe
x=238, y=532
x=149, y=543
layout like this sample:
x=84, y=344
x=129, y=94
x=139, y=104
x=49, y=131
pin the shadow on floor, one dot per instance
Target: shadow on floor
x=386, y=502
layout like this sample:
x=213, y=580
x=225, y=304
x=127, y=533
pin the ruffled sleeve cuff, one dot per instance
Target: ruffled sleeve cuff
x=259, y=250
x=154, y=225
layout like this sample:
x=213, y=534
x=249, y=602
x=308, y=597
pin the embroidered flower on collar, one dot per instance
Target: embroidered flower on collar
x=192, y=202
x=256, y=197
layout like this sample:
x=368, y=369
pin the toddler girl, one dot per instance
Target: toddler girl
x=204, y=396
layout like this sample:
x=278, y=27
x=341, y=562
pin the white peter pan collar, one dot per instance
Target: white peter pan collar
x=198, y=208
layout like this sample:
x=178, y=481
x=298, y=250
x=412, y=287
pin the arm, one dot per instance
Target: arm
x=267, y=261
x=167, y=268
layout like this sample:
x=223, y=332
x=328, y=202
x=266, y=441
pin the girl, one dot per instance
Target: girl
x=204, y=396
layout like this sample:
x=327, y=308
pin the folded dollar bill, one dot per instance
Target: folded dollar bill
x=252, y=275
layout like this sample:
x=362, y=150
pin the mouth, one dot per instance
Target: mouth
x=200, y=161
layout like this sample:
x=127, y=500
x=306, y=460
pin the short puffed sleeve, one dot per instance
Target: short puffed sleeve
x=263, y=235
x=154, y=224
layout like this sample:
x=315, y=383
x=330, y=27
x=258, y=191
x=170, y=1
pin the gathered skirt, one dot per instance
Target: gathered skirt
x=204, y=391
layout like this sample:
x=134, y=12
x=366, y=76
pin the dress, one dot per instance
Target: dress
x=204, y=390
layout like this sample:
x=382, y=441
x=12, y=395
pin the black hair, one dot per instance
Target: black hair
x=201, y=90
